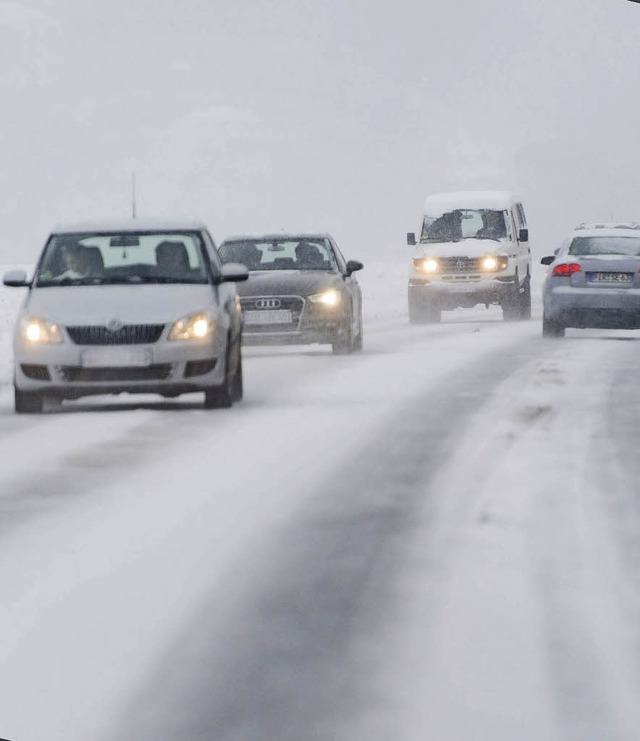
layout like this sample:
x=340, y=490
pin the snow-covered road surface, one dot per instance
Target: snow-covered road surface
x=436, y=538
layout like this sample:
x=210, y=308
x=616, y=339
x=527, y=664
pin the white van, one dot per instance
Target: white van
x=473, y=249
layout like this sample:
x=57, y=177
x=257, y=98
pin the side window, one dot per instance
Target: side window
x=513, y=220
x=521, y=217
x=342, y=263
x=212, y=253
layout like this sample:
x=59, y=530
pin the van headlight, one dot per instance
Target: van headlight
x=330, y=297
x=426, y=265
x=197, y=326
x=494, y=263
x=35, y=330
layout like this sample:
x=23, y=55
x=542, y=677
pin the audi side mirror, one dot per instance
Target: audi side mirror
x=353, y=265
x=548, y=259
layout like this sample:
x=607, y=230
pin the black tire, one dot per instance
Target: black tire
x=526, y=300
x=27, y=402
x=551, y=327
x=238, y=383
x=222, y=397
x=425, y=311
x=345, y=344
x=517, y=303
x=358, y=342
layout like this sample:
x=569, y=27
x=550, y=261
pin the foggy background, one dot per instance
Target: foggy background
x=339, y=115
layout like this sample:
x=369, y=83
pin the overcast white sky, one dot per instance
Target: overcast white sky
x=340, y=115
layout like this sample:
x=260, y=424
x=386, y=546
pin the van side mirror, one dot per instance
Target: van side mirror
x=548, y=259
x=523, y=235
x=411, y=238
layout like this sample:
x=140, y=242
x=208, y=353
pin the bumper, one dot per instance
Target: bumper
x=602, y=308
x=71, y=371
x=454, y=291
x=324, y=333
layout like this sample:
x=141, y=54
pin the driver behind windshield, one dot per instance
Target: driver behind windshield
x=493, y=226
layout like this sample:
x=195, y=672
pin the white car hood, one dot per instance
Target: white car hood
x=130, y=304
x=464, y=248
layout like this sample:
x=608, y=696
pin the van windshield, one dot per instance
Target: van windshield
x=458, y=224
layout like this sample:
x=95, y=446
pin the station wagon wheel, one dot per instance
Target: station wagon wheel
x=551, y=328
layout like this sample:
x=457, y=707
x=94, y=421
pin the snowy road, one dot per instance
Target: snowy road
x=437, y=538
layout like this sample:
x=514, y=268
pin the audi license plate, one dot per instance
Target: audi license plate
x=611, y=277
x=268, y=316
x=118, y=357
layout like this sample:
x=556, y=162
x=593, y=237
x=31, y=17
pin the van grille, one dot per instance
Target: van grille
x=460, y=264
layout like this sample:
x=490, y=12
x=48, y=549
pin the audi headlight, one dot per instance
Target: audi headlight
x=494, y=263
x=38, y=331
x=198, y=326
x=331, y=298
x=426, y=265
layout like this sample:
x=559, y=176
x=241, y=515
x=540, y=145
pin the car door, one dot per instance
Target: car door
x=524, y=250
x=352, y=285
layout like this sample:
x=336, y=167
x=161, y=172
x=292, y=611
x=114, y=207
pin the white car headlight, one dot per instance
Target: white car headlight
x=330, y=297
x=197, y=326
x=37, y=331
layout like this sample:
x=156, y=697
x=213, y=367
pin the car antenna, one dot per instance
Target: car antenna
x=133, y=195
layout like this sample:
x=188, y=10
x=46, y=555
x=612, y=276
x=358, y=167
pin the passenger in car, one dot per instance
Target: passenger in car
x=172, y=259
x=74, y=261
x=249, y=255
x=309, y=256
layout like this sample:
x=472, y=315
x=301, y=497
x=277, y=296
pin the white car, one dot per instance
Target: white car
x=136, y=306
x=473, y=249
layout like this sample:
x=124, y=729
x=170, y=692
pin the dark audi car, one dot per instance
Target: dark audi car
x=301, y=290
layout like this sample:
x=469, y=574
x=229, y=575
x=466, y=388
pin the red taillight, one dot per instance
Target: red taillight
x=566, y=269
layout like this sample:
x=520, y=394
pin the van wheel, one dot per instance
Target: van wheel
x=27, y=402
x=517, y=303
x=425, y=311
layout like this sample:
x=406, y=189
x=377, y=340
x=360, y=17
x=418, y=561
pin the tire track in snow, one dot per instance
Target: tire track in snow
x=284, y=662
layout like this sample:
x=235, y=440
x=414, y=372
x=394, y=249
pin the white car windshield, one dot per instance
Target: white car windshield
x=128, y=257
x=461, y=223
x=605, y=245
x=280, y=254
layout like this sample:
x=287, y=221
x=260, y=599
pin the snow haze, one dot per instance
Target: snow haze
x=338, y=116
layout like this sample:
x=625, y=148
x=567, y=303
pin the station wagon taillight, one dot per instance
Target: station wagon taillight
x=566, y=269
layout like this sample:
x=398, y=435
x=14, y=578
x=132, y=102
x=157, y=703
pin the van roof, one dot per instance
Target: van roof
x=489, y=199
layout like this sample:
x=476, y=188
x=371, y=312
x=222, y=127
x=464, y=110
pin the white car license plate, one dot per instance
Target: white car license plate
x=121, y=357
x=611, y=277
x=274, y=316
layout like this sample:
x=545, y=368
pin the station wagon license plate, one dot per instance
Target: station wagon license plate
x=118, y=357
x=611, y=278
x=272, y=316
